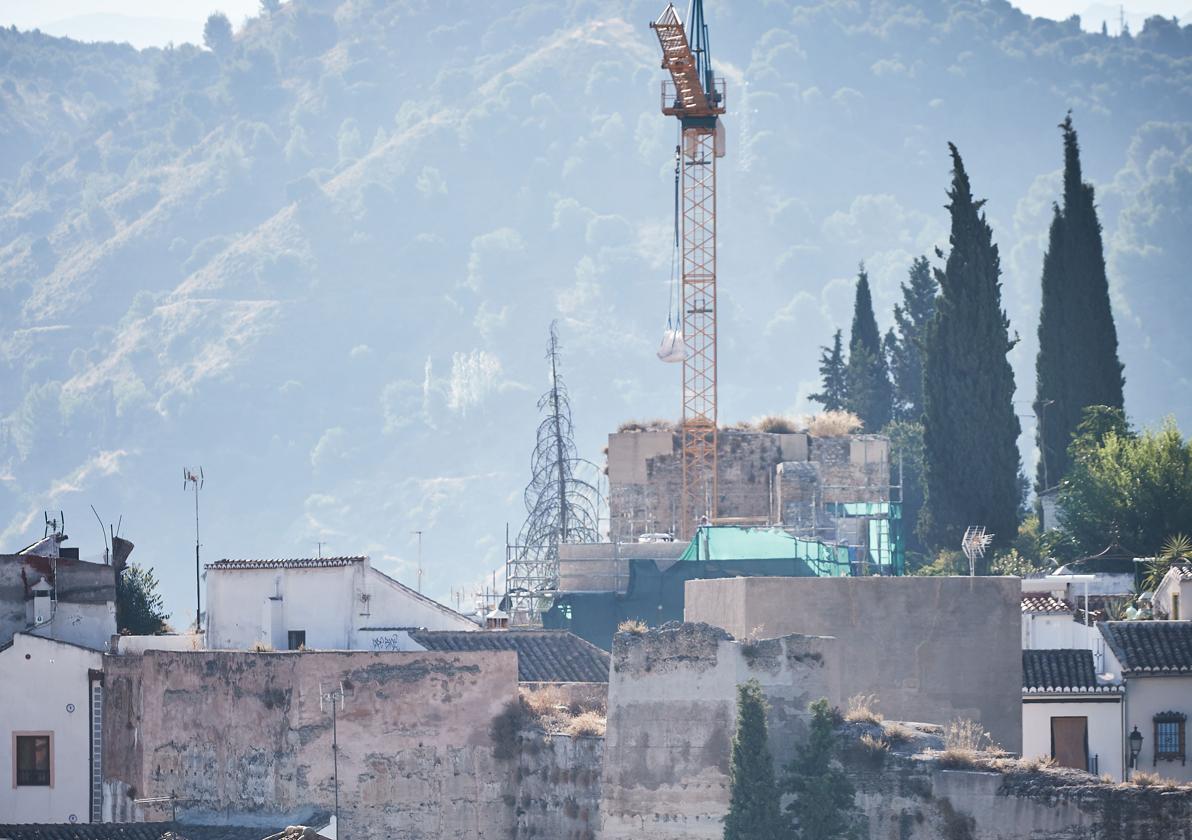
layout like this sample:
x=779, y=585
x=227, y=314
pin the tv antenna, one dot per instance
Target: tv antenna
x=54, y=525
x=191, y=479
x=974, y=544
x=334, y=697
x=104, y=531
x=419, y=533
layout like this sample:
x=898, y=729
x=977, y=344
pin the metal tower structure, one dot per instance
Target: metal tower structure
x=697, y=98
x=564, y=504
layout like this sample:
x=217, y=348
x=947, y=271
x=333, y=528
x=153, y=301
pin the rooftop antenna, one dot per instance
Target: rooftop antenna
x=54, y=525
x=320, y=544
x=973, y=545
x=419, y=533
x=189, y=478
x=331, y=697
x=102, y=530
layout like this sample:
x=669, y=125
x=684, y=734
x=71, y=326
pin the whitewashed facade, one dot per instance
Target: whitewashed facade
x=330, y=603
x=49, y=696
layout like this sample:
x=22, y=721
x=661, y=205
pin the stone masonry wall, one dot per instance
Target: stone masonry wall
x=243, y=737
x=916, y=798
x=672, y=715
x=767, y=477
x=558, y=787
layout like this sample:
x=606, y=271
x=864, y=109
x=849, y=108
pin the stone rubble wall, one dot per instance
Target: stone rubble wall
x=558, y=787
x=770, y=478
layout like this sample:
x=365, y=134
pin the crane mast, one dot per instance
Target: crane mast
x=697, y=98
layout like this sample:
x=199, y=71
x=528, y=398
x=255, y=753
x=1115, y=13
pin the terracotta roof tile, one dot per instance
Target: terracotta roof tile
x=542, y=655
x=131, y=831
x=287, y=563
x=1044, y=602
x=1061, y=671
x=1150, y=647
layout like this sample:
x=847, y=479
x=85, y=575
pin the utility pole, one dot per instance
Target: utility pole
x=419, y=533
x=332, y=697
x=190, y=478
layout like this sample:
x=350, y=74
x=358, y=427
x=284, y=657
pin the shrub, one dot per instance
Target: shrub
x=833, y=424
x=505, y=729
x=587, y=723
x=861, y=709
x=633, y=626
x=896, y=733
x=874, y=745
x=656, y=425
x=776, y=424
x=964, y=743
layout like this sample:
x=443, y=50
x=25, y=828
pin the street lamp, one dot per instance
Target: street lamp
x=1135, y=746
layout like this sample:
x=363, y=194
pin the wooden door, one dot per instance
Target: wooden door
x=1070, y=741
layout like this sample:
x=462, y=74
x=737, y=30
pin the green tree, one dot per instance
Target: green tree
x=1078, y=364
x=833, y=376
x=906, y=466
x=970, y=430
x=753, y=811
x=1139, y=484
x=217, y=33
x=821, y=807
x=911, y=318
x=140, y=610
x=868, y=391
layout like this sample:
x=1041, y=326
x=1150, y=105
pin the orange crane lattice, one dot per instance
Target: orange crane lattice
x=697, y=98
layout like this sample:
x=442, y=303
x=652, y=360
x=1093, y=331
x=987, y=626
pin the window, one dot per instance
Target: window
x=1175, y=606
x=1169, y=736
x=32, y=759
x=297, y=640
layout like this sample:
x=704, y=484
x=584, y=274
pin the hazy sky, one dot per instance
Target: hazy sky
x=154, y=23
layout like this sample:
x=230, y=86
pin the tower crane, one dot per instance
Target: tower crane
x=696, y=97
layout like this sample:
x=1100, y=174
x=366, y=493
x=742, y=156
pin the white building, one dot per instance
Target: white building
x=1154, y=659
x=1070, y=712
x=50, y=695
x=1170, y=600
x=328, y=603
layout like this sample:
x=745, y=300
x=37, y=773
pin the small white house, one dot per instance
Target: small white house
x=1169, y=600
x=1070, y=713
x=326, y=603
x=51, y=693
x=1154, y=660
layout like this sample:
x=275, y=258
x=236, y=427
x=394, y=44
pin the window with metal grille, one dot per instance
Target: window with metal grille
x=297, y=640
x=33, y=760
x=1170, y=737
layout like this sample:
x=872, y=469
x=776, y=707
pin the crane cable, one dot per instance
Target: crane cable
x=673, y=296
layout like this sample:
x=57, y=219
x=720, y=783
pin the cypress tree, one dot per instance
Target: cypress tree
x=753, y=811
x=869, y=394
x=1078, y=364
x=906, y=354
x=970, y=434
x=832, y=376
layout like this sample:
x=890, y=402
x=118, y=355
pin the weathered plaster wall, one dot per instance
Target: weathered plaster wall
x=1147, y=696
x=916, y=799
x=671, y=718
x=243, y=735
x=931, y=648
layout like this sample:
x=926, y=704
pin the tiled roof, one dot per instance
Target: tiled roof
x=1150, y=647
x=287, y=563
x=129, y=831
x=1183, y=572
x=1061, y=672
x=1044, y=602
x=542, y=655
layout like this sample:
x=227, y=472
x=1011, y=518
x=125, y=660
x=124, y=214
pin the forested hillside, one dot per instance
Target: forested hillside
x=320, y=258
